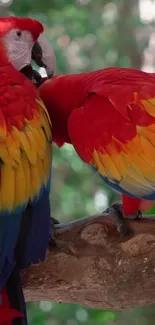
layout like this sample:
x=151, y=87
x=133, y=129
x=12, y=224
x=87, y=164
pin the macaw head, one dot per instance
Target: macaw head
x=17, y=37
x=21, y=40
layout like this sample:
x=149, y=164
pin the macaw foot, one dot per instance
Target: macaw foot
x=52, y=239
x=135, y=215
x=116, y=213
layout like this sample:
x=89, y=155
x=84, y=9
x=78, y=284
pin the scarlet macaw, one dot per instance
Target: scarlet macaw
x=109, y=117
x=25, y=165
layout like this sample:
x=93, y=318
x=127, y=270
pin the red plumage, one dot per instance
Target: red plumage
x=7, y=314
x=19, y=109
x=131, y=205
x=17, y=103
x=109, y=117
x=34, y=26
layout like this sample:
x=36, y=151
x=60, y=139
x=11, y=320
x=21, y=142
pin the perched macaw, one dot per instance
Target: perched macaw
x=109, y=117
x=25, y=166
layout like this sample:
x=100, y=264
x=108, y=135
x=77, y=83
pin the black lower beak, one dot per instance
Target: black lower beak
x=37, y=55
x=28, y=71
x=33, y=75
x=37, y=79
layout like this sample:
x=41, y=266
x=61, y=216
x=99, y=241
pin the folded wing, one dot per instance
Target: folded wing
x=25, y=170
x=114, y=132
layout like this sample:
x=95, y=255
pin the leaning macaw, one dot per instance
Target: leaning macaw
x=109, y=117
x=25, y=166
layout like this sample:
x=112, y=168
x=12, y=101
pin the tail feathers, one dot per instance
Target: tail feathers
x=12, y=304
x=9, y=232
x=34, y=233
x=7, y=314
x=132, y=205
x=146, y=205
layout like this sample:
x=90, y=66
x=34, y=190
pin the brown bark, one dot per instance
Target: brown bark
x=91, y=266
x=126, y=42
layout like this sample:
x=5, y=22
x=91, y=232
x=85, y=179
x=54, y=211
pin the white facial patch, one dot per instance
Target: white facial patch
x=19, y=47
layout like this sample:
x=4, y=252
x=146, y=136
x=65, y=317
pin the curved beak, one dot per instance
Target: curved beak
x=32, y=74
x=43, y=55
x=37, y=57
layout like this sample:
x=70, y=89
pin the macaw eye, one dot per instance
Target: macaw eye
x=18, y=33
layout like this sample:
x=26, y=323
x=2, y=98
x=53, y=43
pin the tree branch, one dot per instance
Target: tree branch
x=91, y=266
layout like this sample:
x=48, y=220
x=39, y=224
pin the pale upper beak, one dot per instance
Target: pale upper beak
x=44, y=56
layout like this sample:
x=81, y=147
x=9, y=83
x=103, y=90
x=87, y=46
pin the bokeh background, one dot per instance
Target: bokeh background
x=88, y=35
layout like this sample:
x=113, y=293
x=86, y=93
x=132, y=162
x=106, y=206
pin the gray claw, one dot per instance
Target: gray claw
x=52, y=241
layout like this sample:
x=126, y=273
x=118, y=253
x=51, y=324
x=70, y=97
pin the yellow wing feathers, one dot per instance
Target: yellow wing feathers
x=149, y=106
x=133, y=168
x=25, y=160
x=129, y=165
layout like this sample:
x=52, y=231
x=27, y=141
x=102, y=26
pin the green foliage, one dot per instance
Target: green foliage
x=86, y=35
x=70, y=314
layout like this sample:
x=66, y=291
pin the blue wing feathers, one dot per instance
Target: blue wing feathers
x=24, y=235
x=24, y=238
x=9, y=232
x=115, y=186
x=35, y=232
x=16, y=297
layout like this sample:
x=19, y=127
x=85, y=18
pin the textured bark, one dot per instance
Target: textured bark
x=125, y=40
x=91, y=266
